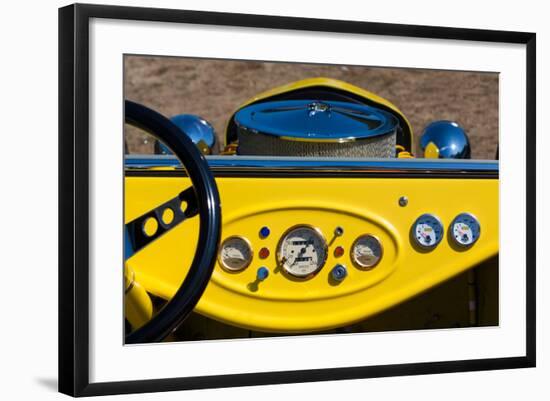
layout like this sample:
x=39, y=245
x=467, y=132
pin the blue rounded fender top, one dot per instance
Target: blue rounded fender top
x=316, y=120
x=196, y=127
x=450, y=138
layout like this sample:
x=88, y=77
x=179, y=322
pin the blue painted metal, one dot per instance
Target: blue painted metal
x=316, y=120
x=195, y=127
x=449, y=137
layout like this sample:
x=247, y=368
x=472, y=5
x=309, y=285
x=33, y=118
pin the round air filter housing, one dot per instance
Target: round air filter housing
x=315, y=128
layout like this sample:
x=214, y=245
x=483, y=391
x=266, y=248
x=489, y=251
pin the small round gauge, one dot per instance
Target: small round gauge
x=302, y=251
x=465, y=229
x=235, y=253
x=427, y=231
x=366, y=251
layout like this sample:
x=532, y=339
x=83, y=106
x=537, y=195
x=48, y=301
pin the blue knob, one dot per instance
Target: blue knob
x=339, y=272
x=262, y=273
x=264, y=232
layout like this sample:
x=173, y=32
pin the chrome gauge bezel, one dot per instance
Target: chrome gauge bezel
x=451, y=228
x=324, y=243
x=413, y=231
x=358, y=264
x=249, y=261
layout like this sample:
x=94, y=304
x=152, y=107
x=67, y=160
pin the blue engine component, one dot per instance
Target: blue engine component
x=316, y=120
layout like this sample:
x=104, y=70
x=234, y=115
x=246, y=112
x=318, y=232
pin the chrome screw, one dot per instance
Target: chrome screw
x=403, y=201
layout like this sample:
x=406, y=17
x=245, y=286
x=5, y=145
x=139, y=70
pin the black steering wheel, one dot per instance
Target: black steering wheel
x=202, y=199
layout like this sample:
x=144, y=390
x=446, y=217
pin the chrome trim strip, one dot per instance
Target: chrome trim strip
x=314, y=164
x=298, y=167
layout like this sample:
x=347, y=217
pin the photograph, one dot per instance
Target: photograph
x=269, y=199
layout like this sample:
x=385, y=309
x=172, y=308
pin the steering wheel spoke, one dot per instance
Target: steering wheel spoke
x=179, y=208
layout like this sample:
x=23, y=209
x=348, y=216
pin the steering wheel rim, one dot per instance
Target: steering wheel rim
x=209, y=210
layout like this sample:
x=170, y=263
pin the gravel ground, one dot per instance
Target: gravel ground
x=213, y=89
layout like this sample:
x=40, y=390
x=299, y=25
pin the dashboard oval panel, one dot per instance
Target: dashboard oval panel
x=326, y=217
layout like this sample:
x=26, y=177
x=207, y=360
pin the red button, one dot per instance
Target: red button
x=338, y=251
x=264, y=253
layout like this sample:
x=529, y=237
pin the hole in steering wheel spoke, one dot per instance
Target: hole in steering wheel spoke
x=167, y=216
x=150, y=226
x=183, y=206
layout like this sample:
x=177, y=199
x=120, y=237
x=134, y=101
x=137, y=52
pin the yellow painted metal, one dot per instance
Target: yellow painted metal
x=402, y=153
x=431, y=151
x=282, y=303
x=330, y=83
x=138, y=308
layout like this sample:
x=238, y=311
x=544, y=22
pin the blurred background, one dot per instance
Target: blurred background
x=214, y=89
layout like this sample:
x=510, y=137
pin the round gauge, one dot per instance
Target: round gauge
x=235, y=253
x=302, y=251
x=427, y=231
x=366, y=251
x=465, y=229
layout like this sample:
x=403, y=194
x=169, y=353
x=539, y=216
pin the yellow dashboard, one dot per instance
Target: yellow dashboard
x=303, y=253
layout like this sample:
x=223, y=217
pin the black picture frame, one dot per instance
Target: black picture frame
x=74, y=198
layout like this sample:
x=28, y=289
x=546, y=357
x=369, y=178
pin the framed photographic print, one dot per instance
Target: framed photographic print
x=250, y=199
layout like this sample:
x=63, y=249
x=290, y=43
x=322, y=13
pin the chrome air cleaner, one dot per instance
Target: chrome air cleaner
x=315, y=128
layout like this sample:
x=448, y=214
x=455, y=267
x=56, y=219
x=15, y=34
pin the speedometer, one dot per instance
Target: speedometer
x=302, y=251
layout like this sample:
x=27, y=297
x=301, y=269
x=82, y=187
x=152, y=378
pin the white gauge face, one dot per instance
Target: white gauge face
x=366, y=251
x=302, y=251
x=465, y=229
x=235, y=253
x=427, y=231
